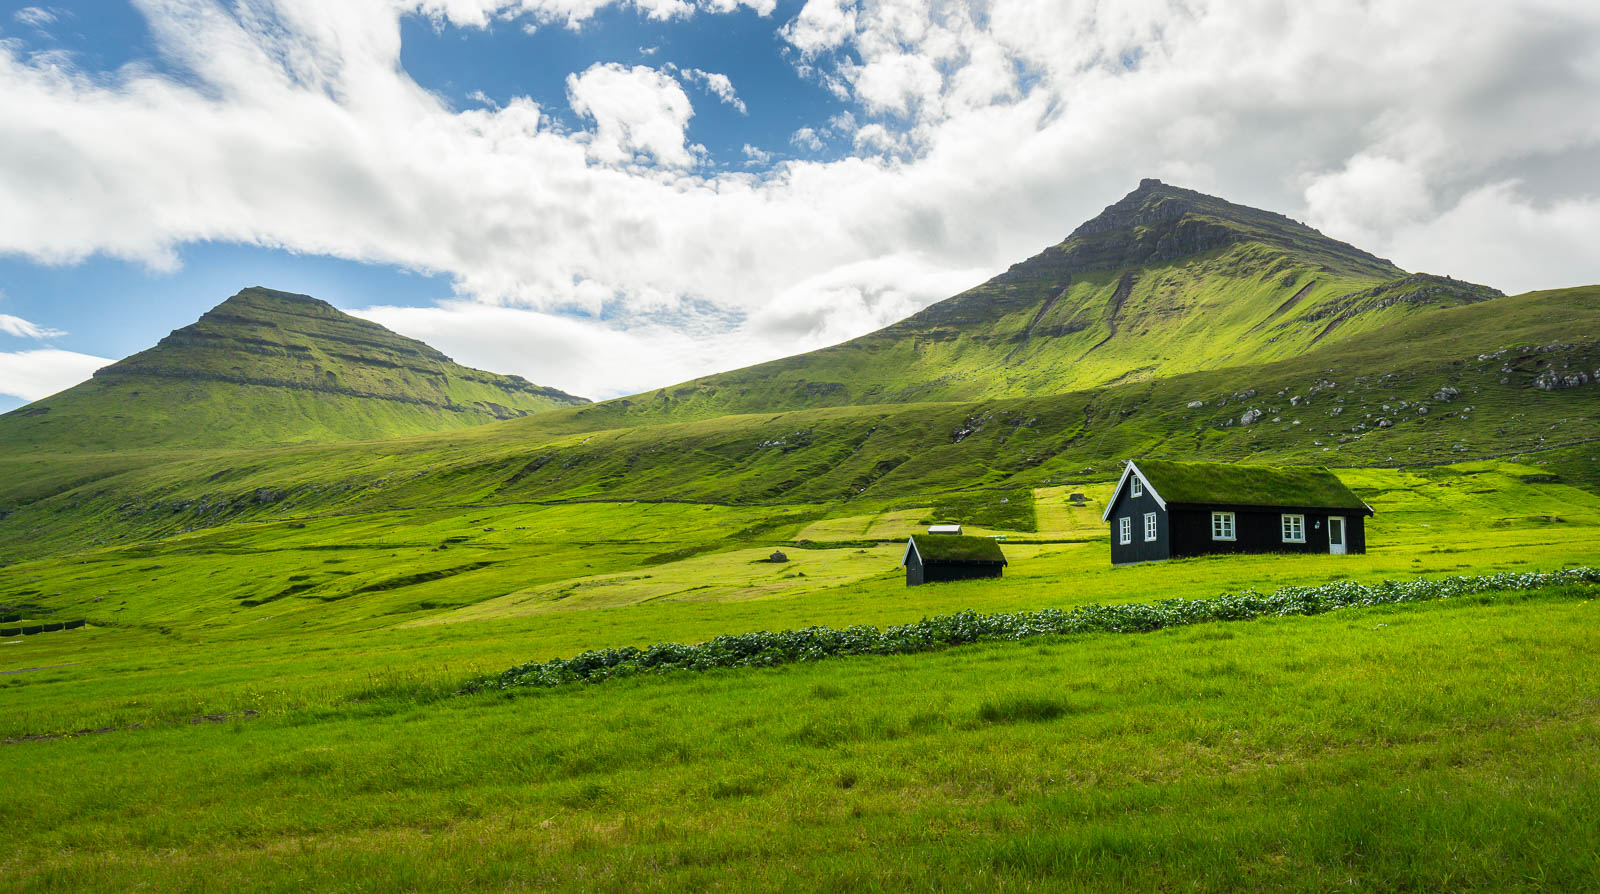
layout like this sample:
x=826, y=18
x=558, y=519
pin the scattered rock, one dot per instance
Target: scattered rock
x=1195, y=404
x=778, y=557
x=1448, y=393
x=1550, y=380
x=1384, y=423
x=1250, y=416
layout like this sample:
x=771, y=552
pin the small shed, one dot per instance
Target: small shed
x=1163, y=510
x=941, y=557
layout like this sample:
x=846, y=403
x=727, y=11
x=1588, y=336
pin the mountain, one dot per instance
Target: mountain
x=1164, y=281
x=268, y=368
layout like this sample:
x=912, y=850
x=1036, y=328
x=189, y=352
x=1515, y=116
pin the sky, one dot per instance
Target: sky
x=610, y=196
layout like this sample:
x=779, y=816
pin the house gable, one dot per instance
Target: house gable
x=1128, y=472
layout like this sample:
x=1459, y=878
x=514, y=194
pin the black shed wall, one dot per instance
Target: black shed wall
x=933, y=572
x=913, y=568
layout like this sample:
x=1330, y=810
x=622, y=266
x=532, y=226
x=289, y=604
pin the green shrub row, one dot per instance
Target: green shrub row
x=765, y=648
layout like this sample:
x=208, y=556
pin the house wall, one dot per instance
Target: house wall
x=1259, y=531
x=933, y=572
x=913, y=568
x=1135, y=507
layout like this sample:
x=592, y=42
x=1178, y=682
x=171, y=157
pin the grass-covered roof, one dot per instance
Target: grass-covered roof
x=957, y=548
x=1241, y=485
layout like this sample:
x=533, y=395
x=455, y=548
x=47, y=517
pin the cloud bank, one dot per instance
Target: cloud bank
x=1455, y=137
x=39, y=373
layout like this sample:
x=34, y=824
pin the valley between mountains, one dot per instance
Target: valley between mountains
x=302, y=542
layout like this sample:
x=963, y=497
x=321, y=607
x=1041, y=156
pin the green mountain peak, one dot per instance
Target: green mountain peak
x=1164, y=281
x=267, y=367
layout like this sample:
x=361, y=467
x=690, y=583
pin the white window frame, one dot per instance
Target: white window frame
x=1151, y=530
x=1223, y=526
x=1294, y=527
x=1135, y=487
x=1125, y=529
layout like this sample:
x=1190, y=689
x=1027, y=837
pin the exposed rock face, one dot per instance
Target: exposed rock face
x=1550, y=380
x=1417, y=288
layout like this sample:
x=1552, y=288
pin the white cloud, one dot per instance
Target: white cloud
x=573, y=14
x=756, y=157
x=806, y=138
x=21, y=328
x=36, y=16
x=1518, y=245
x=717, y=85
x=1460, y=137
x=821, y=25
x=31, y=375
x=639, y=114
x=579, y=356
x=1370, y=197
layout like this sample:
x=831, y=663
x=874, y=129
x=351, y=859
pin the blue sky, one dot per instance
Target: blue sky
x=111, y=307
x=544, y=186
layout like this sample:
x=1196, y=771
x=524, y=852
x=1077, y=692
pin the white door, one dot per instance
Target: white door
x=1336, y=535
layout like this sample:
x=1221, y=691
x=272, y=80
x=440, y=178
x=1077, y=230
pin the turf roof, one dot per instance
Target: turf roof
x=1239, y=485
x=957, y=548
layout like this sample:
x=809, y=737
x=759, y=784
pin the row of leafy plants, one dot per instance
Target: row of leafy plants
x=766, y=648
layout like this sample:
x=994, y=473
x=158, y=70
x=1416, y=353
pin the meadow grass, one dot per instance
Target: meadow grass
x=272, y=740
x=189, y=626
x=1444, y=745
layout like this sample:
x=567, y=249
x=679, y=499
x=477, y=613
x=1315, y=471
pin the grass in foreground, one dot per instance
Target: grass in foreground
x=1446, y=745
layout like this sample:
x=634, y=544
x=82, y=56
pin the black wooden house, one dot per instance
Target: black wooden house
x=1166, y=510
x=940, y=557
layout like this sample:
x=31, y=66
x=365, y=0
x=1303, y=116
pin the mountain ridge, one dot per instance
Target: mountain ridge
x=270, y=367
x=1164, y=281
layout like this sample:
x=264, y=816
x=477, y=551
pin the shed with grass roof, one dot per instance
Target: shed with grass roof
x=1165, y=510
x=939, y=557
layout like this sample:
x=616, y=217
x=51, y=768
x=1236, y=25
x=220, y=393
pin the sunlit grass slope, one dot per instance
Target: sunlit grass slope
x=269, y=704
x=216, y=620
x=268, y=367
x=1165, y=281
x=1457, y=385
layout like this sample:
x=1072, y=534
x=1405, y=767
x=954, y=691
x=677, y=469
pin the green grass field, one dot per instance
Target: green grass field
x=244, y=712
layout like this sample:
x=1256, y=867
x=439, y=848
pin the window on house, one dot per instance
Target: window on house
x=1149, y=526
x=1125, y=530
x=1135, y=487
x=1294, y=528
x=1222, y=526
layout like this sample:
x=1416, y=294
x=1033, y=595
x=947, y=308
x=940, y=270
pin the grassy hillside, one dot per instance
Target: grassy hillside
x=308, y=672
x=1166, y=281
x=268, y=367
x=276, y=689
x=1462, y=383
